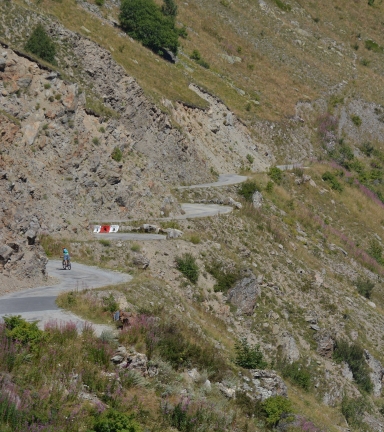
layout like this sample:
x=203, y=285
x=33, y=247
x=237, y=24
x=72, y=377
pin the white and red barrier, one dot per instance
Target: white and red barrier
x=101, y=229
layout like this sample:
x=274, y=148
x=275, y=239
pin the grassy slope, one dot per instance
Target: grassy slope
x=286, y=56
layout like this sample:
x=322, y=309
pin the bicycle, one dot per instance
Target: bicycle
x=66, y=264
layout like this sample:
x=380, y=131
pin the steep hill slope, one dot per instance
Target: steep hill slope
x=112, y=130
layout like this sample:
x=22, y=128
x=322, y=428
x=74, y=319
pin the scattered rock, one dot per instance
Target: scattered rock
x=267, y=384
x=288, y=347
x=257, y=199
x=325, y=343
x=244, y=294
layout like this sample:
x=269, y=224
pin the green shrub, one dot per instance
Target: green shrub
x=187, y=265
x=117, y=154
x=225, y=279
x=144, y=21
x=169, y=8
x=354, y=356
x=110, y=304
x=356, y=120
x=249, y=357
x=373, y=46
x=276, y=174
x=40, y=44
x=195, y=239
x=114, y=421
x=135, y=247
x=298, y=374
x=364, y=287
x=247, y=189
x=275, y=407
x=203, y=63
x=105, y=242
x=269, y=187
x=99, y=2
x=250, y=158
x=332, y=181
x=23, y=331
x=283, y=6
x=195, y=55
x=183, y=32
x=376, y=251
x=96, y=141
x=353, y=411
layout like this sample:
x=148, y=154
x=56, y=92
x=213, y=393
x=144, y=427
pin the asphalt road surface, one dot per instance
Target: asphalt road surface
x=38, y=304
x=224, y=180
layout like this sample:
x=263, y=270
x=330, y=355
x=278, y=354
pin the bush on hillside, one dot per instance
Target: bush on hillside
x=364, y=287
x=40, y=44
x=247, y=189
x=276, y=174
x=249, y=357
x=353, y=411
x=144, y=21
x=275, y=408
x=117, y=154
x=298, y=374
x=114, y=421
x=187, y=265
x=332, y=181
x=354, y=355
x=169, y=8
x=225, y=279
x=23, y=331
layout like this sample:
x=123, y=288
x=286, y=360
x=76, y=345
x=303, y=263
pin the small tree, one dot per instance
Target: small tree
x=249, y=357
x=144, y=21
x=169, y=8
x=188, y=266
x=40, y=44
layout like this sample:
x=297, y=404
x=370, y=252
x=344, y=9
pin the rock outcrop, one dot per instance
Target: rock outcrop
x=245, y=293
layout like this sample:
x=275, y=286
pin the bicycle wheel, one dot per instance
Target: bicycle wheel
x=69, y=265
x=64, y=265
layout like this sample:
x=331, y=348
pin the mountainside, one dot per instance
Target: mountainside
x=111, y=131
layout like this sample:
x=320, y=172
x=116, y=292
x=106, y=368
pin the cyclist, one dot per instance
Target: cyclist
x=66, y=255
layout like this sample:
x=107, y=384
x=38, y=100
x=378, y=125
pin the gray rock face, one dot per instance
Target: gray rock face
x=267, y=384
x=288, y=347
x=2, y=64
x=377, y=373
x=244, y=294
x=325, y=343
x=257, y=199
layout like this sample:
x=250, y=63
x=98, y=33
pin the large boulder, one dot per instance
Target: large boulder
x=245, y=293
x=257, y=199
x=325, y=343
x=267, y=384
x=288, y=347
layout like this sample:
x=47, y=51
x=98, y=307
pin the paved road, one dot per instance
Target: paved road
x=203, y=210
x=38, y=304
x=224, y=180
x=130, y=236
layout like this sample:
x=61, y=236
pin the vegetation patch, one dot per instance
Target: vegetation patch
x=331, y=179
x=40, y=44
x=276, y=174
x=187, y=265
x=225, y=278
x=150, y=24
x=249, y=356
x=247, y=189
x=354, y=355
x=364, y=287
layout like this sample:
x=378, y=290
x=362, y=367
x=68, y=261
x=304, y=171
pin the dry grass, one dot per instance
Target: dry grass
x=308, y=406
x=274, y=68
